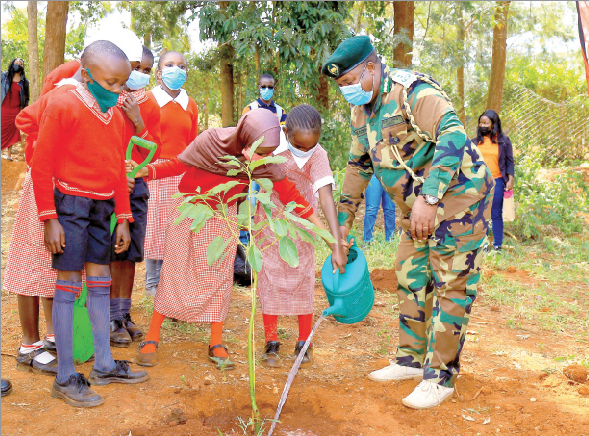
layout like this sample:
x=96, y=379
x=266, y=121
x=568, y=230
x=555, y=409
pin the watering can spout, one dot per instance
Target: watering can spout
x=337, y=309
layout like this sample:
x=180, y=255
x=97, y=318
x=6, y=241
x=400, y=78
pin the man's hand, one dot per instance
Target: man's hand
x=123, y=238
x=423, y=218
x=339, y=259
x=131, y=108
x=54, y=236
x=130, y=184
x=344, y=231
x=130, y=165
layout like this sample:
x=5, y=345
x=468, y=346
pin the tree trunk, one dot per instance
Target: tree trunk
x=147, y=39
x=323, y=93
x=403, y=12
x=460, y=71
x=55, y=29
x=226, y=76
x=207, y=100
x=498, y=58
x=33, y=70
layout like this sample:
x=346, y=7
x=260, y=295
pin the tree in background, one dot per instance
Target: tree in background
x=404, y=25
x=498, y=57
x=33, y=67
x=90, y=12
x=53, y=54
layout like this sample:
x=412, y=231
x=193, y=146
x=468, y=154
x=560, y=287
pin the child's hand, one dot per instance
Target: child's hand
x=131, y=108
x=130, y=184
x=123, y=238
x=130, y=165
x=339, y=259
x=54, y=236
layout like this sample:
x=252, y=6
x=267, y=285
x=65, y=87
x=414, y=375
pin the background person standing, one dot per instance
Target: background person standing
x=14, y=99
x=374, y=196
x=497, y=153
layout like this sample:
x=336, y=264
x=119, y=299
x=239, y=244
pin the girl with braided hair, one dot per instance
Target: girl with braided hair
x=284, y=290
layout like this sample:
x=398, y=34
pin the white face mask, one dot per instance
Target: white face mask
x=300, y=153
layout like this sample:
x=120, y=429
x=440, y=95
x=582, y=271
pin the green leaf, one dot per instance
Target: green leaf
x=324, y=234
x=264, y=198
x=299, y=220
x=270, y=220
x=177, y=195
x=267, y=160
x=281, y=227
x=266, y=184
x=306, y=236
x=233, y=172
x=292, y=231
x=236, y=196
x=256, y=144
x=184, y=209
x=288, y=251
x=215, y=249
x=223, y=187
x=197, y=226
x=259, y=225
x=255, y=257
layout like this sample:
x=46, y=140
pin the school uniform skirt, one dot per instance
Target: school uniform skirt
x=28, y=267
x=158, y=207
x=190, y=289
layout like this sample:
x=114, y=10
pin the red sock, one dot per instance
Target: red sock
x=154, y=332
x=217, y=338
x=271, y=327
x=305, y=326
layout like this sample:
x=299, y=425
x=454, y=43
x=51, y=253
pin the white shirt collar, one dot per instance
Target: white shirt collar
x=70, y=81
x=163, y=98
x=300, y=161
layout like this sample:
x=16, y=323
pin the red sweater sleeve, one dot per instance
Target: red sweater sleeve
x=169, y=168
x=43, y=165
x=122, y=202
x=287, y=192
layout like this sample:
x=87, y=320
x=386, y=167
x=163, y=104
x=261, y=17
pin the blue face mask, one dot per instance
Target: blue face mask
x=174, y=77
x=355, y=95
x=300, y=153
x=266, y=94
x=137, y=80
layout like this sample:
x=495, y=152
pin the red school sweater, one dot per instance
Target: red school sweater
x=64, y=71
x=150, y=114
x=28, y=120
x=179, y=127
x=80, y=148
x=196, y=177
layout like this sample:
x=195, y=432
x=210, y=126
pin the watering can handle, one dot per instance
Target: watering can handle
x=336, y=274
x=140, y=142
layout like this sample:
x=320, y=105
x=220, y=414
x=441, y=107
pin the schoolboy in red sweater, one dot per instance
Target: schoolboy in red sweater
x=142, y=118
x=79, y=149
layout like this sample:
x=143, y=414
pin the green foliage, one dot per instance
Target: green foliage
x=15, y=35
x=89, y=13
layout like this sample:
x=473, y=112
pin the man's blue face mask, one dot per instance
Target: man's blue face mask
x=354, y=94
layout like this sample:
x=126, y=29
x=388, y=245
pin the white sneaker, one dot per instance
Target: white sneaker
x=396, y=372
x=427, y=394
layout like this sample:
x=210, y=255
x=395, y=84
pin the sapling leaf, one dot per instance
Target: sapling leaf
x=258, y=226
x=266, y=184
x=299, y=220
x=292, y=230
x=215, y=249
x=197, y=226
x=236, y=196
x=281, y=227
x=288, y=252
x=264, y=198
x=177, y=195
x=256, y=144
x=255, y=257
x=231, y=160
x=233, y=172
x=306, y=236
x=223, y=187
x=268, y=212
x=324, y=234
x=267, y=160
x=184, y=209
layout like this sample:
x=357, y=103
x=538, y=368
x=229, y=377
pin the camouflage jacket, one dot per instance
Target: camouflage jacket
x=446, y=164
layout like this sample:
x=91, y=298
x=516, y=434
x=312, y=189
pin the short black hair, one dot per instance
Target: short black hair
x=303, y=118
x=99, y=51
x=496, y=131
x=148, y=52
x=266, y=76
x=163, y=56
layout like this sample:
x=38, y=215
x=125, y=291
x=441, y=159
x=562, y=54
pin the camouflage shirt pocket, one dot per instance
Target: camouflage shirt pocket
x=394, y=130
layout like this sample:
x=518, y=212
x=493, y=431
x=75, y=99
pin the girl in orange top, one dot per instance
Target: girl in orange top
x=497, y=153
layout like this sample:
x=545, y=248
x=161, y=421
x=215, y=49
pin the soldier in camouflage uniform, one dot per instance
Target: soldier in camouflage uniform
x=406, y=132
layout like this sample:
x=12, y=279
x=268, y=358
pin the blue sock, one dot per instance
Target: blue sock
x=115, y=308
x=125, y=306
x=98, y=311
x=63, y=315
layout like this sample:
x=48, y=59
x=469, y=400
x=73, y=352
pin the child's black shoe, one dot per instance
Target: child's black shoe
x=270, y=357
x=135, y=332
x=119, y=336
x=76, y=392
x=45, y=364
x=121, y=373
x=308, y=359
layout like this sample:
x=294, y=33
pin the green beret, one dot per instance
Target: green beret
x=349, y=54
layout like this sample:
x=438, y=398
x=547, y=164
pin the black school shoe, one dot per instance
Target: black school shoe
x=119, y=336
x=308, y=359
x=270, y=358
x=6, y=387
x=121, y=373
x=134, y=331
x=27, y=363
x=50, y=346
x=76, y=392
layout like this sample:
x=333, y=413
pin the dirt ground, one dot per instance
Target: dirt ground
x=504, y=387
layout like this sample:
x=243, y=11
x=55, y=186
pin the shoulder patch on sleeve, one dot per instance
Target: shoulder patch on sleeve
x=405, y=78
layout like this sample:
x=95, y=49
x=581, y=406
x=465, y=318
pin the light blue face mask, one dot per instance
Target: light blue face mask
x=174, y=77
x=137, y=80
x=300, y=153
x=354, y=94
x=266, y=94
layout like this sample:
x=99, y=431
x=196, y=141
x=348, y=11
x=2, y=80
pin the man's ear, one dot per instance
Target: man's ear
x=371, y=67
x=85, y=76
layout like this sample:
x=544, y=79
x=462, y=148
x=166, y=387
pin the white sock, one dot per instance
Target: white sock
x=26, y=349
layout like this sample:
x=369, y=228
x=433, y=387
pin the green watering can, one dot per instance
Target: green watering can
x=83, y=345
x=350, y=294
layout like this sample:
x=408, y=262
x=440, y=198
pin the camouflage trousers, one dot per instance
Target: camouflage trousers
x=438, y=281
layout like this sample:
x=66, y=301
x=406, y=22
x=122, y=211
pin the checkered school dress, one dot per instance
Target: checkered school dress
x=190, y=289
x=284, y=290
x=159, y=205
x=28, y=267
